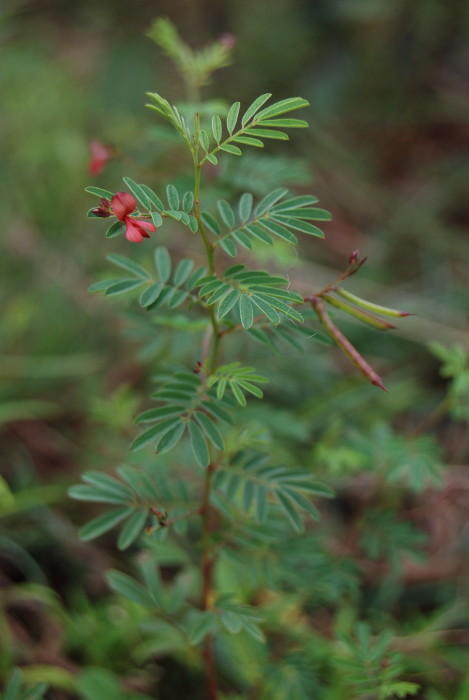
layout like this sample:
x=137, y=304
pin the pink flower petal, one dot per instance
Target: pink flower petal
x=123, y=204
x=133, y=233
x=142, y=224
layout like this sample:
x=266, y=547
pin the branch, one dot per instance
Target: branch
x=345, y=345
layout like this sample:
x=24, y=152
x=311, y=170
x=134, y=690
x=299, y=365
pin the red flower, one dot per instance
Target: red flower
x=100, y=154
x=123, y=204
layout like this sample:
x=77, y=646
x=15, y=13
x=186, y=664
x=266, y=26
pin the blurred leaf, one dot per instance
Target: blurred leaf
x=163, y=263
x=127, y=587
x=103, y=523
x=199, y=444
x=205, y=623
x=99, y=683
x=27, y=409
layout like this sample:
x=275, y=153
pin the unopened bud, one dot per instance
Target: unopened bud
x=228, y=40
x=104, y=210
x=354, y=257
x=101, y=213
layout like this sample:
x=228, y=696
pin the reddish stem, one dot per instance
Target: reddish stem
x=345, y=345
x=207, y=575
x=210, y=671
x=351, y=270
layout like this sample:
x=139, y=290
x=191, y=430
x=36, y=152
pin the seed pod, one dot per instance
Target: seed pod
x=364, y=316
x=346, y=346
x=369, y=305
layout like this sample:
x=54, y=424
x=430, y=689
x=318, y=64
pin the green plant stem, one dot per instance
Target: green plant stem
x=209, y=249
x=351, y=270
x=208, y=246
x=206, y=510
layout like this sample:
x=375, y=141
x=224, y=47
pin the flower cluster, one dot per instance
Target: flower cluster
x=121, y=206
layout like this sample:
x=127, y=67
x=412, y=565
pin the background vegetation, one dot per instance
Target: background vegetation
x=386, y=155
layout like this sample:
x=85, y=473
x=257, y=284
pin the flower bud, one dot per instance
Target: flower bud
x=228, y=40
x=354, y=257
x=101, y=213
x=104, y=210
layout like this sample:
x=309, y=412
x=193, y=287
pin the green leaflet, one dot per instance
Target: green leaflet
x=151, y=294
x=138, y=192
x=163, y=264
x=266, y=309
x=188, y=202
x=228, y=246
x=281, y=107
x=129, y=588
x=173, y=197
x=170, y=439
x=232, y=117
x=226, y=213
x=152, y=434
x=269, y=200
x=93, y=494
x=239, y=379
x=115, y=230
x=205, y=623
x=199, y=444
x=249, y=290
x=269, y=134
x=106, y=483
x=210, y=429
x=273, y=215
x=287, y=123
x=234, y=150
x=152, y=198
x=156, y=218
x=132, y=529
x=129, y=265
x=183, y=271
x=211, y=223
x=245, y=206
x=99, y=192
x=258, y=484
x=246, y=311
x=255, y=107
x=248, y=141
x=204, y=140
x=216, y=128
x=123, y=286
x=228, y=302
